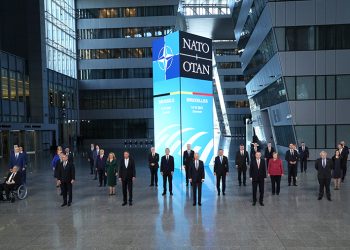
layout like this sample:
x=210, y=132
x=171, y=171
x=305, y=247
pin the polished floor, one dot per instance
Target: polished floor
x=293, y=220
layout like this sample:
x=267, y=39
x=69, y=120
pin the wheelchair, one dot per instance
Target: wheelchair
x=20, y=192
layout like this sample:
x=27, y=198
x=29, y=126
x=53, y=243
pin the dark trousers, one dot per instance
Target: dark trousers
x=195, y=186
x=7, y=188
x=292, y=174
x=220, y=177
x=187, y=170
x=91, y=166
x=170, y=179
x=325, y=183
x=127, y=187
x=242, y=170
x=102, y=177
x=275, y=182
x=303, y=165
x=261, y=184
x=154, y=175
x=344, y=171
x=24, y=176
x=66, y=188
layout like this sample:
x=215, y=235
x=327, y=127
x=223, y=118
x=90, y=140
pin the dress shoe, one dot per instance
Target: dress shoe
x=199, y=204
x=186, y=184
x=124, y=204
x=254, y=203
x=240, y=184
x=130, y=203
x=273, y=193
x=151, y=185
x=319, y=198
x=223, y=193
x=278, y=193
x=295, y=185
x=218, y=193
x=13, y=199
x=194, y=204
x=261, y=203
x=156, y=185
x=69, y=204
x=171, y=193
x=64, y=204
x=163, y=193
x=244, y=184
x=329, y=198
x=288, y=184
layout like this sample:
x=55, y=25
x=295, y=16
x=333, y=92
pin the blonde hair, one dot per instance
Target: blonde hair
x=111, y=153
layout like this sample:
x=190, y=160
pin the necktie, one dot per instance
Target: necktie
x=16, y=156
x=152, y=155
x=196, y=165
x=12, y=176
x=242, y=153
x=323, y=163
x=221, y=159
x=64, y=165
x=126, y=163
x=258, y=164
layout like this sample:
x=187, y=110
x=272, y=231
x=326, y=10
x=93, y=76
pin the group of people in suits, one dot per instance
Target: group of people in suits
x=107, y=169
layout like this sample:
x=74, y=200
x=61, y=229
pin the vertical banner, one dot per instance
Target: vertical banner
x=183, y=95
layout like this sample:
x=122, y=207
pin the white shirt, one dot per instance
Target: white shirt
x=258, y=162
x=197, y=164
x=167, y=157
x=242, y=152
x=126, y=162
x=10, y=180
x=16, y=155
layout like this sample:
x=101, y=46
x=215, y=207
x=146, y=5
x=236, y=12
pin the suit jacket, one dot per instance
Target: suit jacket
x=166, y=167
x=187, y=158
x=303, y=155
x=95, y=154
x=66, y=174
x=344, y=154
x=19, y=161
x=70, y=157
x=197, y=175
x=91, y=155
x=242, y=161
x=289, y=157
x=256, y=173
x=154, y=160
x=221, y=168
x=324, y=172
x=25, y=158
x=17, y=179
x=127, y=172
x=101, y=163
x=267, y=154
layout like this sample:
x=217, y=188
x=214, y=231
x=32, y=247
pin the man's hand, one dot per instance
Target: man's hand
x=190, y=180
x=251, y=179
x=236, y=166
x=72, y=181
x=120, y=179
x=133, y=178
x=23, y=169
x=152, y=164
x=58, y=182
x=161, y=173
x=268, y=175
x=172, y=173
x=105, y=174
x=202, y=180
x=88, y=159
x=214, y=173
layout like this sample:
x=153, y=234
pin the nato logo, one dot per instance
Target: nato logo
x=165, y=61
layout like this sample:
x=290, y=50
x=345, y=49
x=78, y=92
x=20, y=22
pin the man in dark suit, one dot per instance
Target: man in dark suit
x=66, y=178
x=16, y=159
x=196, y=177
x=12, y=182
x=167, y=170
x=303, y=156
x=153, y=163
x=254, y=148
x=187, y=159
x=70, y=155
x=242, y=161
x=257, y=173
x=269, y=150
x=101, y=167
x=25, y=164
x=127, y=175
x=292, y=160
x=91, y=158
x=344, y=153
x=221, y=169
x=324, y=168
x=95, y=155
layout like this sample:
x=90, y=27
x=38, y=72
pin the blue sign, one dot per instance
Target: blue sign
x=183, y=95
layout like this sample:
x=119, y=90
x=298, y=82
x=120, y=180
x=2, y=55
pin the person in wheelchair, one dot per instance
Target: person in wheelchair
x=12, y=182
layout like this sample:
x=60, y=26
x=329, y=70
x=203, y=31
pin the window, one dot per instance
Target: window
x=290, y=85
x=13, y=89
x=343, y=133
x=233, y=78
x=305, y=87
x=90, y=74
x=330, y=136
x=320, y=87
x=320, y=136
x=4, y=83
x=306, y=134
x=343, y=86
x=237, y=104
x=330, y=87
x=228, y=65
x=284, y=135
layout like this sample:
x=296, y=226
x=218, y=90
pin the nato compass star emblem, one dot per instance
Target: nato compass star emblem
x=165, y=58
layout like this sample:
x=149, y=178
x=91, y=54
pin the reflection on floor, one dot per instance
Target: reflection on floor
x=295, y=219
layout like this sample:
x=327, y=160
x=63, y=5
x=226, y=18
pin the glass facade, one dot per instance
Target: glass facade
x=226, y=52
x=117, y=128
x=116, y=99
x=14, y=89
x=91, y=74
x=166, y=10
x=315, y=37
x=328, y=87
x=233, y=78
x=237, y=104
x=87, y=54
x=60, y=36
x=234, y=91
x=130, y=32
x=228, y=65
